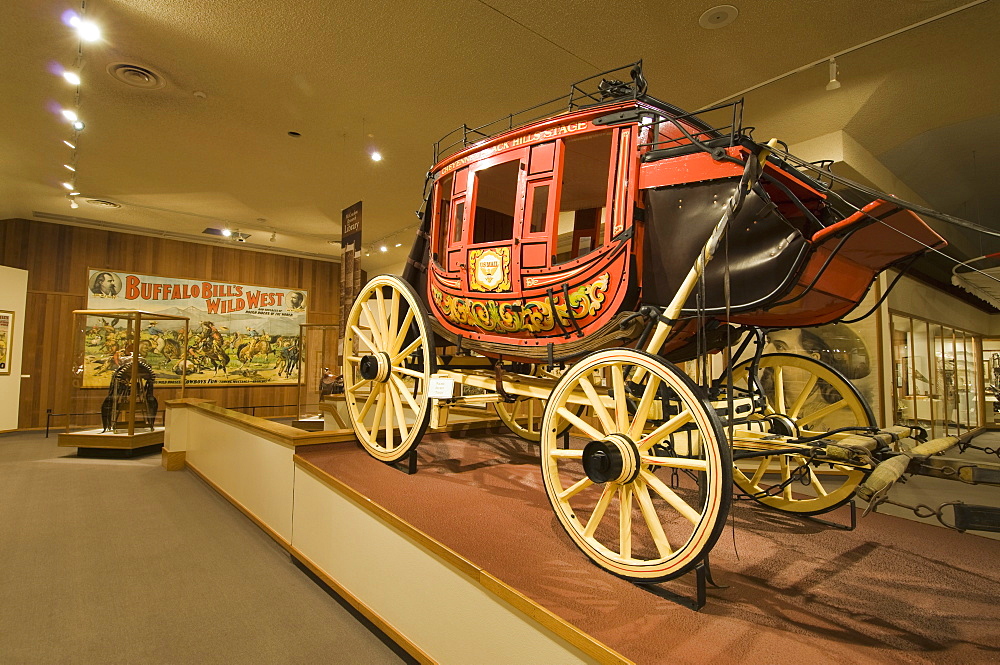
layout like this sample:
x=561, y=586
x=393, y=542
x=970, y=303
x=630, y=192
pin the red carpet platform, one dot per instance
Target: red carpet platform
x=891, y=591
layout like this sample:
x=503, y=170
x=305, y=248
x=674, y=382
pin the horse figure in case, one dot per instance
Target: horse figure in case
x=567, y=260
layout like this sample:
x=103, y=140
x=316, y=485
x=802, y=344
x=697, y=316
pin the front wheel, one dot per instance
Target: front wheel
x=643, y=484
x=388, y=362
x=816, y=398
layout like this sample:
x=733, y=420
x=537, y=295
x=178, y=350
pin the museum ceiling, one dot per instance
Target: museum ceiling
x=205, y=142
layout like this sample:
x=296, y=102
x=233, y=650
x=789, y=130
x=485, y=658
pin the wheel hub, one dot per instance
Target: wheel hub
x=375, y=367
x=611, y=460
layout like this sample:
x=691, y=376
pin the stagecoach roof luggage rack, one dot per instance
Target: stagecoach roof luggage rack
x=588, y=92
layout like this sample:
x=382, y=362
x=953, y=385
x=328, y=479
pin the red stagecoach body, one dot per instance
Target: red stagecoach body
x=540, y=241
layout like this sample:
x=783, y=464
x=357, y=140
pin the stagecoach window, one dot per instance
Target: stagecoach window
x=496, y=196
x=539, y=208
x=459, y=221
x=583, y=204
x=442, y=208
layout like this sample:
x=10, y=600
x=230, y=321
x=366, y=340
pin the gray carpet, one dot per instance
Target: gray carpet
x=119, y=561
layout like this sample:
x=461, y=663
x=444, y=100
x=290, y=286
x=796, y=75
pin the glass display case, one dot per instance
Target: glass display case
x=321, y=398
x=126, y=364
x=936, y=383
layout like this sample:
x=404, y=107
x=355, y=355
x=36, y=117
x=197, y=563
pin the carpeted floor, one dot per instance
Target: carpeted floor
x=797, y=592
x=119, y=561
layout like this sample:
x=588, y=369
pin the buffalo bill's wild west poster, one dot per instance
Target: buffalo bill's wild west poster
x=238, y=333
x=6, y=340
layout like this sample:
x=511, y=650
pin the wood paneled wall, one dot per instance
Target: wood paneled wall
x=57, y=258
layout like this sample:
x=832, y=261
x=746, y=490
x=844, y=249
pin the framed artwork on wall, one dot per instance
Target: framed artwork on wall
x=6, y=340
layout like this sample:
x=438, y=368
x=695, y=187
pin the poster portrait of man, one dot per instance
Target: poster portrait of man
x=106, y=285
x=296, y=301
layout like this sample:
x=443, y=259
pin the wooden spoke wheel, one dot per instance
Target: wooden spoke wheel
x=816, y=398
x=388, y=361
x=643, y=486
x=523, y=416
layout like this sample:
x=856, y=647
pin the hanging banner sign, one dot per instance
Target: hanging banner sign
x=350, y=261
x=238, y=333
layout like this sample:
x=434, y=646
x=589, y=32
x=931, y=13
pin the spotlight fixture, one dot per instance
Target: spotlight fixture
x=70, y=115
x=227, y=232
x=834, y=72
x=399, y=244
x=78, y=125
x=68, y=186
x=71, y=77
x=70, y=145
x=88, y=30
x=376, y=156
x=383, y=248
x=73, y=204
x=274, y=235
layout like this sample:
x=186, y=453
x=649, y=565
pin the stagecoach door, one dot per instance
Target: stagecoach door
x=495, y=192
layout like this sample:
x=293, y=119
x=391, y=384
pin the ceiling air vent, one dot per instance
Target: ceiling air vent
x=136, y=76
x=101, y=203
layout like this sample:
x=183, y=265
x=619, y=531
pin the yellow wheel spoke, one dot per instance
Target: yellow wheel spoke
x=676, y=462
x=761, y=470
x=625, y=520
x=407, y=371
x=404, y=391
x=383, y=320
x=372, y=326
x=580, y=424
x=394, y=331
x=670, y=496
x=786, y=491
x=364, y=338
x=368, y=403
x=652, y=519
x=621, y=398
x=779, y=389
x=401, y=335
x=595, y=401
x=599, y=510
x=575, y=489
x=664, y=430
x=377, y=419
x=410, y=348
x=642, y=411
x=397, y=405
x=559, y=453
x=800, y=401
x=820, y=414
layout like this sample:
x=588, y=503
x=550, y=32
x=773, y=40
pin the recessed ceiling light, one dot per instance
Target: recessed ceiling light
x=70, y=115
x=67, y=166
x=68, y=186
x=227, y=232
x=718, y=17
x=101, y=203
x=376, y=156
x=71, y=77
x=70, y=144
x=78, y=125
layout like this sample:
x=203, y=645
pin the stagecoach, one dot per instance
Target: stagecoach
x=570, y=256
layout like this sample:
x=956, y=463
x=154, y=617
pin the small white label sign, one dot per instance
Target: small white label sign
x=441, y=387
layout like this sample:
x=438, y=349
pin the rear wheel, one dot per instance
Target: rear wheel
x=643, y=484
x=388, y=361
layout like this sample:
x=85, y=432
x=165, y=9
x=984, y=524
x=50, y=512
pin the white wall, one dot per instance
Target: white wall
x=13, y=294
